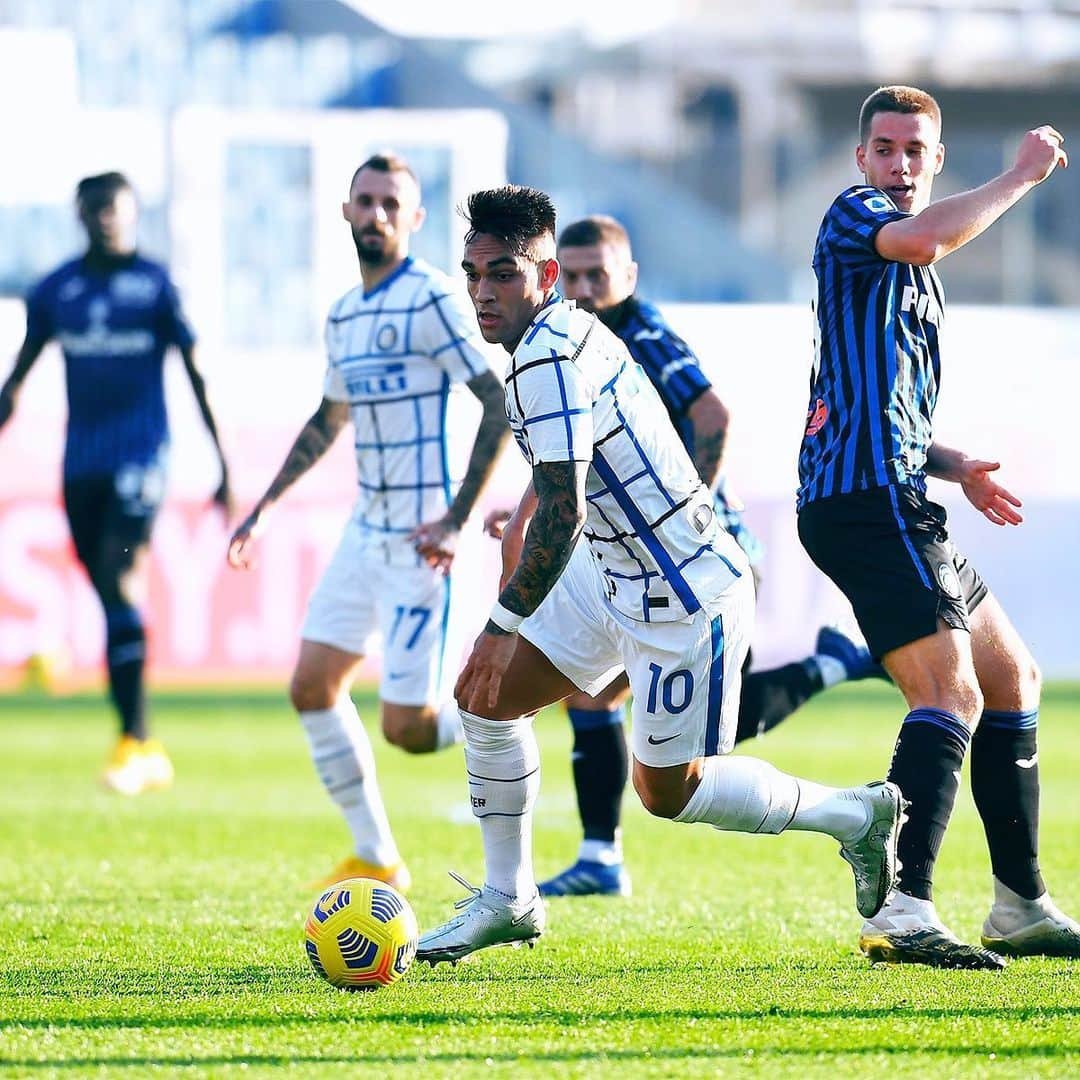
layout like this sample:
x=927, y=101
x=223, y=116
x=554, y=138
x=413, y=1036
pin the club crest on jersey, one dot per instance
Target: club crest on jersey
x=816, y=417
x=387, y=337
x=139, y=290
x=923, y=304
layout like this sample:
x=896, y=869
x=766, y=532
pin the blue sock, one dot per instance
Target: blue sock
x=926, y=767
x=125, y=655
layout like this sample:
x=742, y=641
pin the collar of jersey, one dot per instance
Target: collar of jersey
x=405, y=264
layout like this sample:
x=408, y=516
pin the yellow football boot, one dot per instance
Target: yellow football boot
x=157, y=768
x=124, y=773
x=397, y=875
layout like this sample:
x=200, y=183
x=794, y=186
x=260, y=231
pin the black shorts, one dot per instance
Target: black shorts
x=889, y=552
x=111, y=515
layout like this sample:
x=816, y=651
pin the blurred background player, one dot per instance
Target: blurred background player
x=115, y=313
x=865, y=520
x=398, y=345
x=600, y=274
x=655, y=587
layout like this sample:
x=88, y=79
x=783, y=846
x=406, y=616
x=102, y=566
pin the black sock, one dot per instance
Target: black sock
x=125, y=654
x=1005, y=783
x=600, y=769
x=926, y=767
x=771, y=696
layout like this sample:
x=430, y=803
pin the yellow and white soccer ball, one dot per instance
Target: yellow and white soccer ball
x=361, y=934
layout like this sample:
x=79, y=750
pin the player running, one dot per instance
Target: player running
x=399, y=346
x=658, y=590
x=865, y=520
x=115, y=313
x=599, y=273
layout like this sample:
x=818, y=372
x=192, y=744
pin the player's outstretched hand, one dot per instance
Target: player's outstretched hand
x=436, y=543
x=993, y=501
x=477, y=688
x=242, y=544
x=495, y=522
x=1040, y=153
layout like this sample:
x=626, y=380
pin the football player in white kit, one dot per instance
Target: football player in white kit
x=400, y=345
x=657, y=587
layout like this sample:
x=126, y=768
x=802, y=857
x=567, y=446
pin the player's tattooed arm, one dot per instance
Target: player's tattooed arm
x=491, y=437
x=314, y=440
x=709, y=417
x=553, y=531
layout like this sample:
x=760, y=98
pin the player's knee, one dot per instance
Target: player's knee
x=660, y=801
x=310, y=690
x=966, y=699
x=412, y=730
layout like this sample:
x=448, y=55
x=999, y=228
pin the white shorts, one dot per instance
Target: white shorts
x=685, y=676
x=412, y=607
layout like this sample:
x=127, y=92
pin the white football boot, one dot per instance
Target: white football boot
x=873, y=856
x=1019, y=927
x=487, y=918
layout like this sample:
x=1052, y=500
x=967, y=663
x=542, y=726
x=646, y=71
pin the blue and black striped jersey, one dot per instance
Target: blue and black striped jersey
x=877, y=370
x=113, y=327
x=668, y=361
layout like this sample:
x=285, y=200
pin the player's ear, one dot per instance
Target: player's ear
x=549, y=274
x=418, y=218
x=345, y=211
x=939, y=158
x=860, y=158
x=631, y=275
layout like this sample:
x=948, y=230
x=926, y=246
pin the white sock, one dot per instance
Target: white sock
x=449, y=731
x=832, y=670
x=743, y=794
x=1011, y=911
x=605, y=852
x=341, y=751
x=839, y=812
x=503, y=764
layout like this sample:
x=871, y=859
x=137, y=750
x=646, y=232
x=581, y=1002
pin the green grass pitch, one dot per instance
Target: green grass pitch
x=162, y=936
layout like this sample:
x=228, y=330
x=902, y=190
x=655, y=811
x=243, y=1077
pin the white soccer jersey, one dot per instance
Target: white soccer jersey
x=573, y=393
x=397, y=355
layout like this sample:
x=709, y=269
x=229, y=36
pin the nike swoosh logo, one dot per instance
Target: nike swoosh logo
x=1028, y=762
x=667, y=738
x=521, y=918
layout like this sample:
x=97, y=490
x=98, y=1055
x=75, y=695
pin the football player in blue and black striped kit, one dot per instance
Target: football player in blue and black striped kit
x=115, y=314
x=599, y=273
x=866, y=521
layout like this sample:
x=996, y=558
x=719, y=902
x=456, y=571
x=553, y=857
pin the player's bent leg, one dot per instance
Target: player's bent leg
x=502, y=760
x=600, y=767
x=1024, y=920
x=743, y=794
x=421, y=729
x=936, y=674
x=343, y=758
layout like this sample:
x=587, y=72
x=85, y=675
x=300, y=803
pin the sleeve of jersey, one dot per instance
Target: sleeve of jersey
x=853, y=222
x=673, y=369
x=39, y=325
x=177, y=328
x=334, y=388
x=556, y=405
x=451, y=337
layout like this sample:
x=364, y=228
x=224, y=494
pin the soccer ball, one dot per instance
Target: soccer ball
x=361, y=935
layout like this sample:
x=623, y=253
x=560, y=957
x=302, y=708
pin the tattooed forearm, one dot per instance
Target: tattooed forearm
x=491, y=437
x=709, y=417
x=312, y=442
x=559, y=517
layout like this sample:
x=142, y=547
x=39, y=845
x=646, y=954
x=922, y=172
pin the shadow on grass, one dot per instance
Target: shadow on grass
x=534, y=1017
x=533, y=1057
